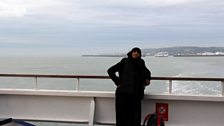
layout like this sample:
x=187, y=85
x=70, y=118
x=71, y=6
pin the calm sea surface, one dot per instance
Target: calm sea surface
x=159, y=66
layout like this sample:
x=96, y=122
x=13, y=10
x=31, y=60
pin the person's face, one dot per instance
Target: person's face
x=135, y=54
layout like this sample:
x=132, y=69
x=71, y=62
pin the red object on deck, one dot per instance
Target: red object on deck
x=162, y=110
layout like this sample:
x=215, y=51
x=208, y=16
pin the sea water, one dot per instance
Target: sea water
x=77, y=65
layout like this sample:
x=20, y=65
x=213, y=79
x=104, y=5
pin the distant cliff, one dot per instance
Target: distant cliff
x=183, y=50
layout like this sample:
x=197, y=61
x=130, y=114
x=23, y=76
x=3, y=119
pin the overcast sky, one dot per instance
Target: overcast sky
x=76, y=27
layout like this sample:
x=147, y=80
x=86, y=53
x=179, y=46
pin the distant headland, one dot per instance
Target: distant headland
x=105, y=55
x=186, y=51
x=182, y=51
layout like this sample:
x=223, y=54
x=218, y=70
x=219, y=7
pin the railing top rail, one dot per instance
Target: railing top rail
x=188, y=78
x=55, y=76
x=107, y=77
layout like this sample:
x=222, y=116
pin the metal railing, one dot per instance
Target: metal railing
x=78, y=77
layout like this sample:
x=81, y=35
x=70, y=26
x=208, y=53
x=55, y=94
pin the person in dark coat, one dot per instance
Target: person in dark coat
x=132, y=78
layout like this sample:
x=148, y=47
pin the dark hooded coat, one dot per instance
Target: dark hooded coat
x=132, y=74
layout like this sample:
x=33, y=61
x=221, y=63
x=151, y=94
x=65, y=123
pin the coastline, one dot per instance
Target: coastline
x=198, y=55
x=103, y=55
x=156, y=56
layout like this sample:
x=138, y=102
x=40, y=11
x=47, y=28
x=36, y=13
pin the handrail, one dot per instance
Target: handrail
x=78, y=77
x=107, y=77
x=55, y=76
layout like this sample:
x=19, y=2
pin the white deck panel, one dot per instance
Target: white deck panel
x=77, y=106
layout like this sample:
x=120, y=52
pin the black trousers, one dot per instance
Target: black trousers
x=128, y=109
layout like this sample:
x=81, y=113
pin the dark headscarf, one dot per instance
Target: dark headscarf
x=134, y=50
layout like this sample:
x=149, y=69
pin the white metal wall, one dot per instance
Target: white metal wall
x=95, y=107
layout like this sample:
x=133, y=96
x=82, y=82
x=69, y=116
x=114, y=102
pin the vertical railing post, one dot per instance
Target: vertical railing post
x=222, y=84
x=35, y=86
x=170, y=86
x=92, y=112
x=77, y=84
